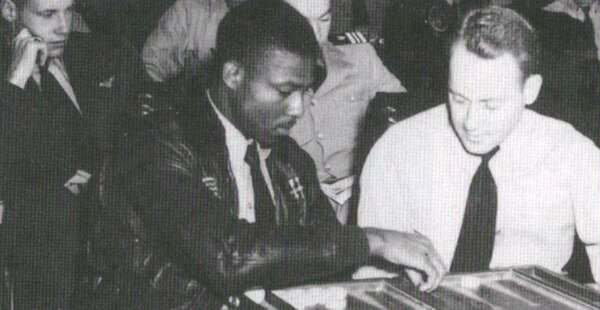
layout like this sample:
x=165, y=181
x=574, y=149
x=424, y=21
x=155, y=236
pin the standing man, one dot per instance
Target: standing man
x=490, y=182
x=56, y=115
x=228, y=199
x=346, y=79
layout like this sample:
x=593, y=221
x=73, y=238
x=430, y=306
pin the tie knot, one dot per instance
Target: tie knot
x=485, y=158
x=251, y=157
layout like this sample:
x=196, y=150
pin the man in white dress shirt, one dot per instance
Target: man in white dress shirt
x=430, y=173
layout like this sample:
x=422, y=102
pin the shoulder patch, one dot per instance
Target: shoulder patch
x=353, y=37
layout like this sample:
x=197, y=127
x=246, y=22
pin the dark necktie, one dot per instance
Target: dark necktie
x=67, y=121
x=54, y=93
x=263, y=203
x=588, y=33
x=476, y=241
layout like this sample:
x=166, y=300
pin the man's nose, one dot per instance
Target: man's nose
x=473, y=118
x=64, y=24
x=317, y=29
x=295, y=106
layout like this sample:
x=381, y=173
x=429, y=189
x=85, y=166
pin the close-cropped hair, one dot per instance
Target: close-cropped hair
x=255, y=27
x=492, y=31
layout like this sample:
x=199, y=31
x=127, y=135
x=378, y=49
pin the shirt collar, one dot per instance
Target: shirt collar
x=235, y=140
x=520, y=135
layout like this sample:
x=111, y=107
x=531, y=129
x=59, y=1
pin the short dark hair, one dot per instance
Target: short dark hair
x=492, y=31
x=254, y=27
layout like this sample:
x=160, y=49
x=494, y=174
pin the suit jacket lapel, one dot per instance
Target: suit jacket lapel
x=205, y=134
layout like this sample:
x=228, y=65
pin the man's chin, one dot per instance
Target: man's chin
x=477, y=148
x=56, y=52
x=56, y=49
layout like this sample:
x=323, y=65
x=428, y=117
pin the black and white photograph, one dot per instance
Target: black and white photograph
x=299, y=154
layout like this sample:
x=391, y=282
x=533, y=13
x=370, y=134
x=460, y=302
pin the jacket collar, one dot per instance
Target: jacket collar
x=201, y=125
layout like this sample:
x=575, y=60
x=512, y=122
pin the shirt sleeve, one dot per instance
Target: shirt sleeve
x=164, y=51
x=585, y=190
x=381, y=188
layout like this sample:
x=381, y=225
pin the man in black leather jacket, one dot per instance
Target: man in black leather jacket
x=195, y=196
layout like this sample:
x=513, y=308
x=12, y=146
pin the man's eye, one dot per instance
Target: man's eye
x=492, y=104
x=285, y=93
x=47, y=14
x=457, y=99
x=326, y=17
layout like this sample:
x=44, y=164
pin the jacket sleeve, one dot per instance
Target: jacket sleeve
x=41, y=219
x=162, y=53
x=183, y=39
x=231, y=255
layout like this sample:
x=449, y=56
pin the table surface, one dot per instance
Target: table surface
x=527, y=287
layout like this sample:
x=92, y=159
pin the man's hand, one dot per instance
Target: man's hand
x=411, y=250
x=25, y=55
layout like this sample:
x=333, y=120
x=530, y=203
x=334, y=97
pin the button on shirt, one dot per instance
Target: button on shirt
x=236, y=146
x=417, y=178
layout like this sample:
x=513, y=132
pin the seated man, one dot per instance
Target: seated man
x=491, y=183
x=351, y=76
x=184, y=38
x=232, y=202
x=57, y=112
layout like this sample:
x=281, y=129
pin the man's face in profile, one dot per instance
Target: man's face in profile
x=486, y=98
x=270, y=99
x=50, y=20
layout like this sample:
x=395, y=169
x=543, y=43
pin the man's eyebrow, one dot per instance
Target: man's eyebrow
x=492, y=99
x=455, y=93
x=47, y=11
x=324, y=14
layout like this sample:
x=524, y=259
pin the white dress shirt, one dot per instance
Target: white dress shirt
x=236, y=146
x=417, y=178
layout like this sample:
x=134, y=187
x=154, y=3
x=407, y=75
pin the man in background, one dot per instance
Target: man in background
x=59, y=95
x=347, y=77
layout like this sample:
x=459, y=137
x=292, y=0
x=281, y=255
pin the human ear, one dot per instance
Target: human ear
x=233, y=74
x=9, y=10
x=531, y=88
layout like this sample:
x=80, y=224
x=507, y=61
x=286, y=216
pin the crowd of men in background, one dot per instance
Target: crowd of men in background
x=177, y=156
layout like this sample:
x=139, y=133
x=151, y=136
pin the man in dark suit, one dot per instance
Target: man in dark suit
x=227, y=200
x=57, y=111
